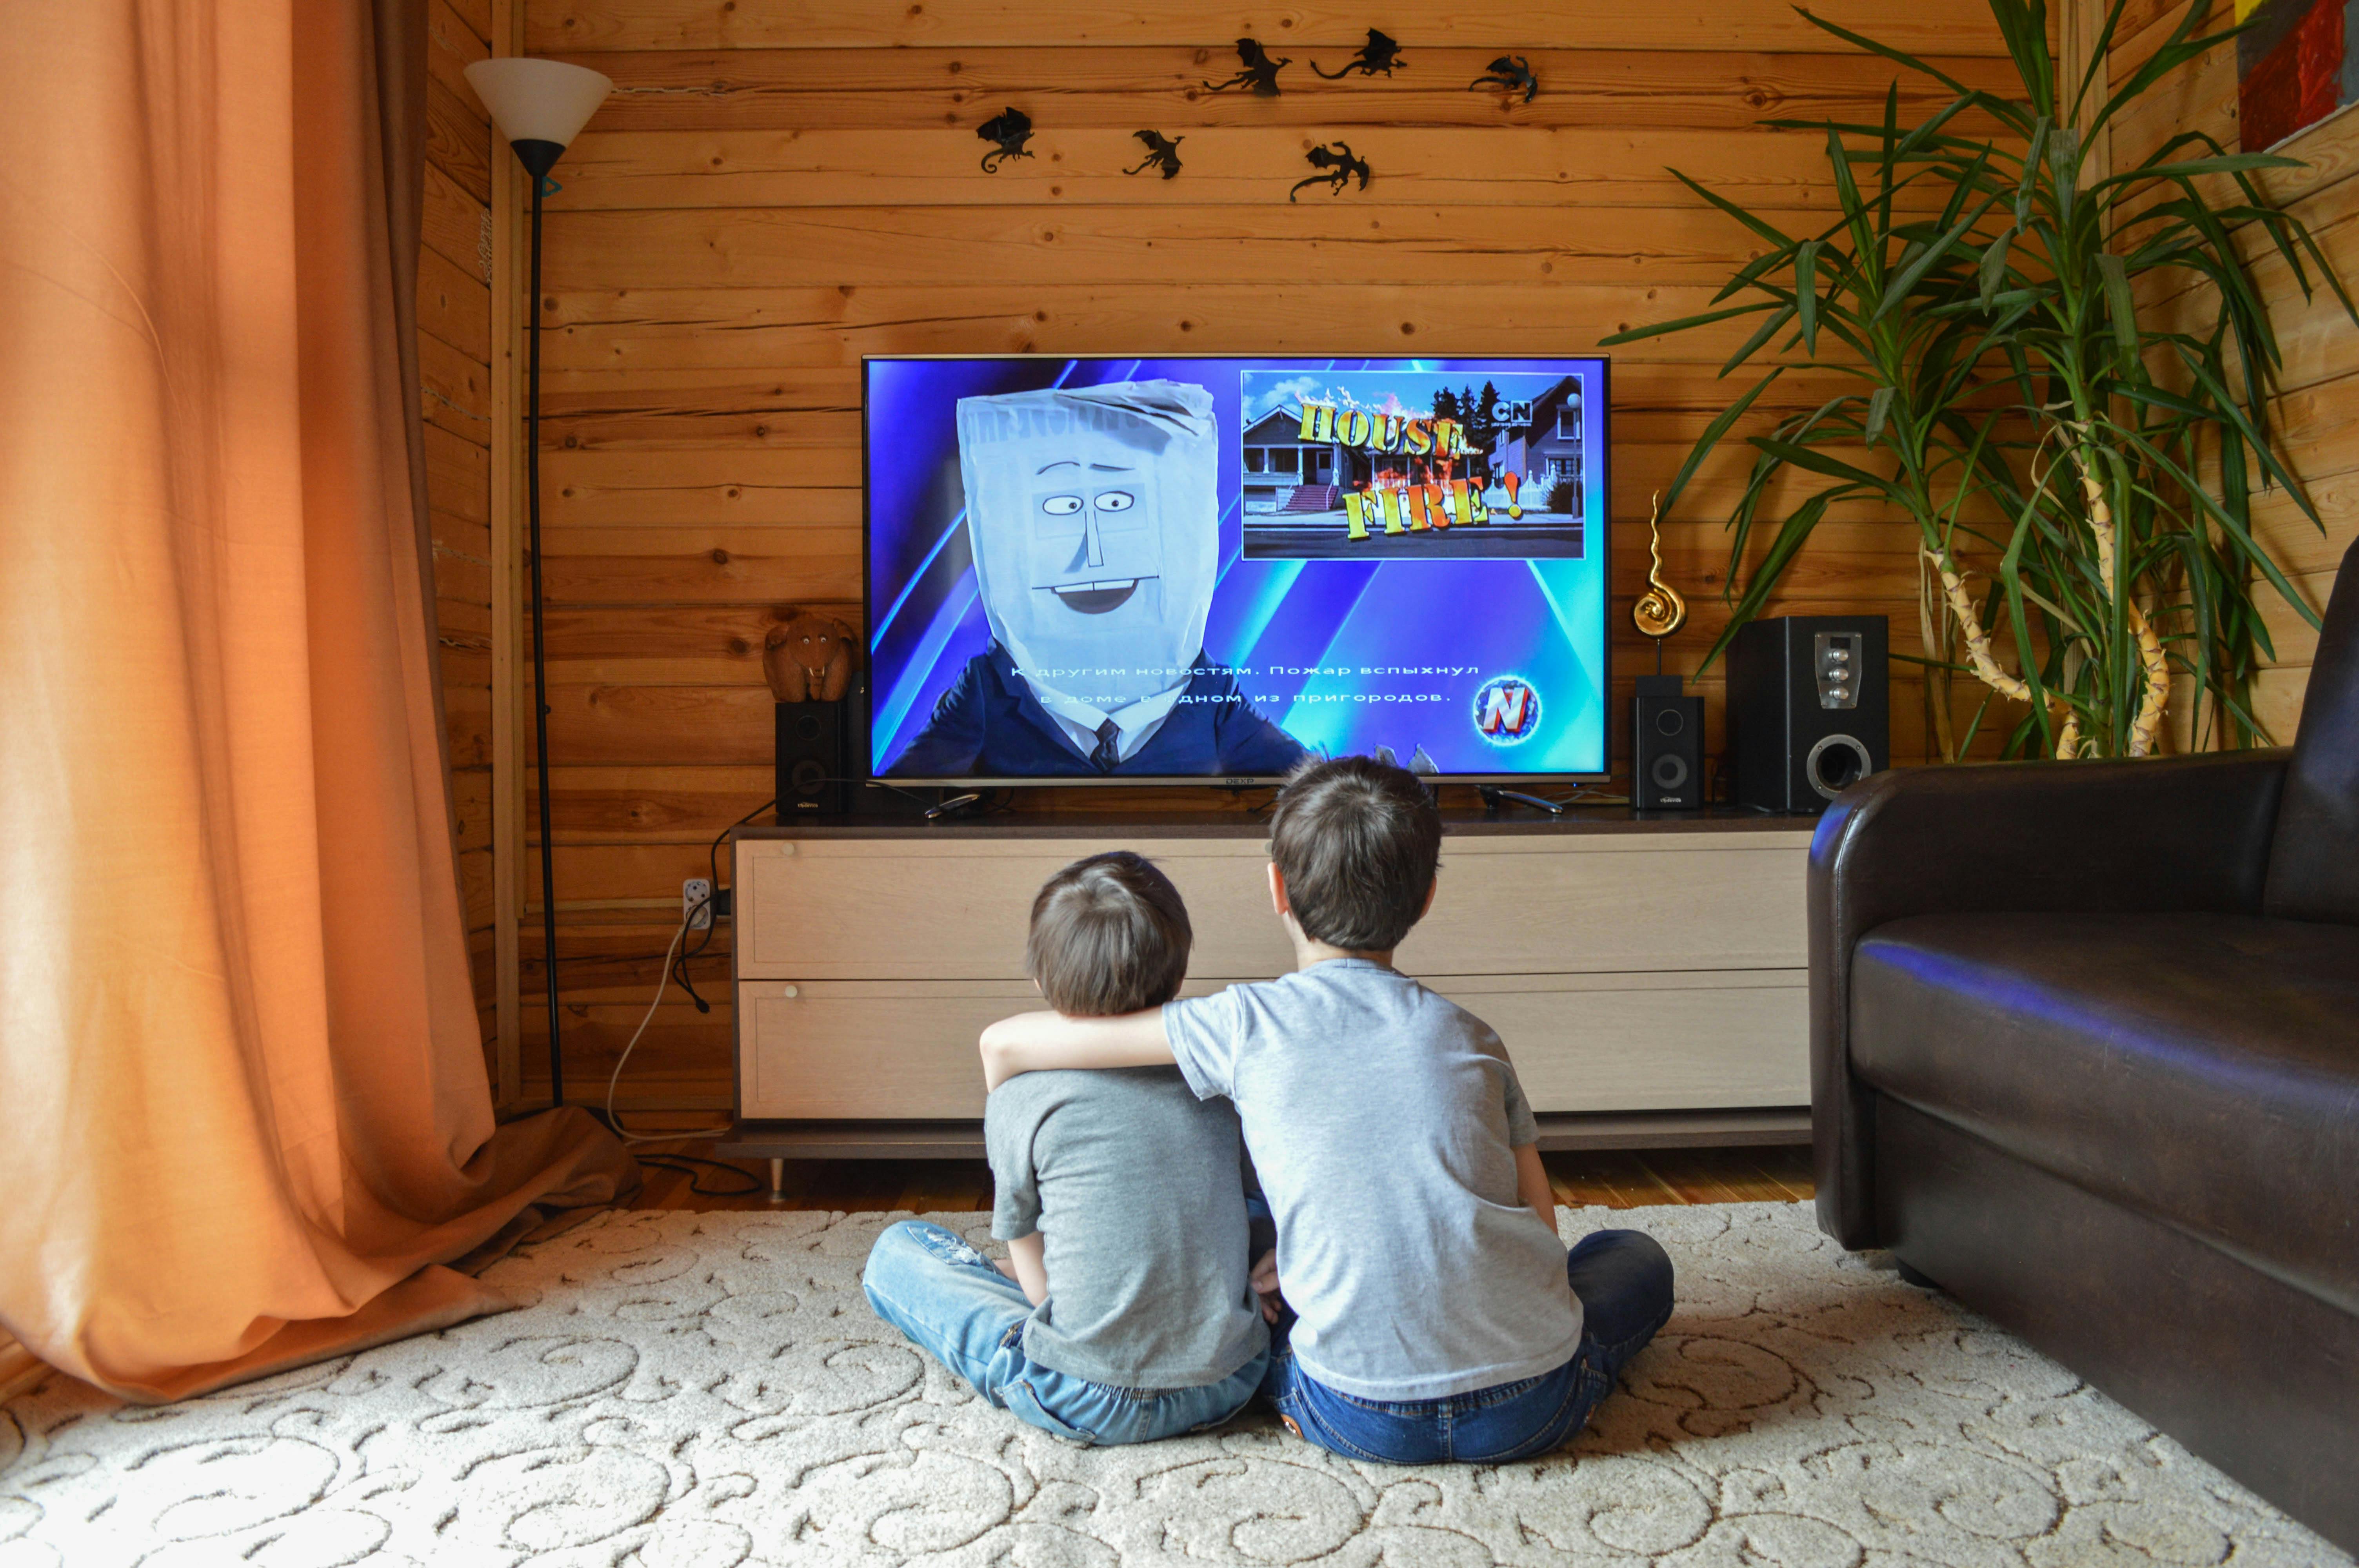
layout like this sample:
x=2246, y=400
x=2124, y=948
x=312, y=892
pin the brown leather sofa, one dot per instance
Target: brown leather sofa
x=2085, y=1053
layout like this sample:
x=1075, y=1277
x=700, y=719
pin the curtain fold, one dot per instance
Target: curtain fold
x=247, y=1117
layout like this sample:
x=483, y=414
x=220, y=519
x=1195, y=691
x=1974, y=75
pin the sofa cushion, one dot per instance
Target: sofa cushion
x=2314, y=857
x=2202, y=1068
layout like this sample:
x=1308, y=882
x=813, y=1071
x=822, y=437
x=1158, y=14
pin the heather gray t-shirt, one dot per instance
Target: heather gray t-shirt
x=1134, y=1186
x=1381, y=1120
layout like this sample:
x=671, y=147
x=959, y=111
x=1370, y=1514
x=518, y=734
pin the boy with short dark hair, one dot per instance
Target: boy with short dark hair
x=1130, y=1316
x=1439, y=1318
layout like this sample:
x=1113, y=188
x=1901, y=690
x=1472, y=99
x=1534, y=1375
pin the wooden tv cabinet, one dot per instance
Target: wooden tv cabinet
x=1647, y=976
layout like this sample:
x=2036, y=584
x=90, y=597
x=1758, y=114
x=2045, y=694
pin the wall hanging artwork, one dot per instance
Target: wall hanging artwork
x=2295, y=66
x=1162, y=152
x=1380, y=54
x=1338, y=163
x=1512, y=71
x=1260, y=73
x=1007, y=131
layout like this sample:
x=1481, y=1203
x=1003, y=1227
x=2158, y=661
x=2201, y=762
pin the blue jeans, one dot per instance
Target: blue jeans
x=1623, y=1280
x=954, y=1303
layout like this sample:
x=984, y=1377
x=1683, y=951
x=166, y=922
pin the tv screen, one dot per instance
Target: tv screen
x=1210, y=568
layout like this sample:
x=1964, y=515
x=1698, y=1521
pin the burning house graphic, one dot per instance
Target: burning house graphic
x=1385, y=466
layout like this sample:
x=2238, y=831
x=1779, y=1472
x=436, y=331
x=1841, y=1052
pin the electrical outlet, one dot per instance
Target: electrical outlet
x=696, y=903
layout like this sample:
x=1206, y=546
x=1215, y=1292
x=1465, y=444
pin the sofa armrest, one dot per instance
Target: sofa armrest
x=2172, y=834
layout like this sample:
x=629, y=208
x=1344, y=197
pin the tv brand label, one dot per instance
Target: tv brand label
x=1506, y=711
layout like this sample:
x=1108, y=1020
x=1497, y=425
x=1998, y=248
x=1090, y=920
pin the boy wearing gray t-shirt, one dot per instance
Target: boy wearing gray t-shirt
x=1433, y=1313
x=1126, y=1311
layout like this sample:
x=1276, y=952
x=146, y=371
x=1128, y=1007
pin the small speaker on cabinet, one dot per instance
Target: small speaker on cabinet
x=812, y=760
x=1666, y=746
x=1808, y=709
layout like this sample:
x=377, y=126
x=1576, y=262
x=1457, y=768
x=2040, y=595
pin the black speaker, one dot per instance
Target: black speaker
x=812, y=759
x=1666, y=746
x=1809, y=712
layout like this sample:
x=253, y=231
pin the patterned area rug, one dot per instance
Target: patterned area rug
x=710, y=1391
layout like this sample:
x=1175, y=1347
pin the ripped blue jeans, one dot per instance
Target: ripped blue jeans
x=954, y=1304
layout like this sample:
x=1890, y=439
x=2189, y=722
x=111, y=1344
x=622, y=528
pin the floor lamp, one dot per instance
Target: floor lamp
x=539, y=106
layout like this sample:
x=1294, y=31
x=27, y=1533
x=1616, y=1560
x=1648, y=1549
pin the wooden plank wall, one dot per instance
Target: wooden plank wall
x=454, y=352
x=774, y=191
x=2316, y=412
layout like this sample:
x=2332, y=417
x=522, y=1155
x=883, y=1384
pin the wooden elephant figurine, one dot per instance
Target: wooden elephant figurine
x=808, y=658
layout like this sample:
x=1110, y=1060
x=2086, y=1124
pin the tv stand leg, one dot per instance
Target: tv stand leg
x=777, y=1178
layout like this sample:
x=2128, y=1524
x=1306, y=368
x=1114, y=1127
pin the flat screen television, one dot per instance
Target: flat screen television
x=1206, y=570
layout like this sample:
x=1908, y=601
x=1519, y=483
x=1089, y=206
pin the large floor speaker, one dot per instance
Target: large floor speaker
x=1808, y=708
x=814, y=757
x=1666, y=746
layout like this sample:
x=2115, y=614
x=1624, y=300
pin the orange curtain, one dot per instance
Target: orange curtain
x=245, y=1113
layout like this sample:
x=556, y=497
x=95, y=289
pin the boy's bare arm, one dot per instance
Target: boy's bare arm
x=1027, y=1265
x=1041, y=1042
x=1532, y=1185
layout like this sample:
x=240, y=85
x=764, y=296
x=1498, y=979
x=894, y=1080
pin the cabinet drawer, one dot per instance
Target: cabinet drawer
x=1650, y=1041
x=1610, y=903
x=926, y=909
x=859, y=1049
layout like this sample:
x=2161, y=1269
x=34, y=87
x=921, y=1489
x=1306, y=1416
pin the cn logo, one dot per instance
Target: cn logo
x=1506, y=711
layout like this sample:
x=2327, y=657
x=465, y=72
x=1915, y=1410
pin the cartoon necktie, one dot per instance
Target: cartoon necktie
x=1108, y=753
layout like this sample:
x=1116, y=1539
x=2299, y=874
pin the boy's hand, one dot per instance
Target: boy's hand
x=1027, y=1265
x=1532, y=1185
x=1266, y=1286
x=1041, y=1042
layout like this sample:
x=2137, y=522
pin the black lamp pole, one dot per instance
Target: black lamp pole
x=538, y=158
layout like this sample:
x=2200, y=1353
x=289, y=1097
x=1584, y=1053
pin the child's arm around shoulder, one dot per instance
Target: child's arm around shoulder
x=1043, y=1041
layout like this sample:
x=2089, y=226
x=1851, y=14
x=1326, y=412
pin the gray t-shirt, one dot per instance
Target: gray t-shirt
x=1134, y=1186
x=1381, y=1119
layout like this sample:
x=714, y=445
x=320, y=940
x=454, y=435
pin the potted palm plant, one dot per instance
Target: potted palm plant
x=2020, y=395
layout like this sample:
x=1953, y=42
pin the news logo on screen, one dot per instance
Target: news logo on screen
x=1506, y=711
x=1412, y=465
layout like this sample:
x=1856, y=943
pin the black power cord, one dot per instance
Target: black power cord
x=712, y=917
x=691, y=1164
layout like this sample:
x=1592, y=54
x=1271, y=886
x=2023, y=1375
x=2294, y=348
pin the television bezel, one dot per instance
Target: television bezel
x=863, y=729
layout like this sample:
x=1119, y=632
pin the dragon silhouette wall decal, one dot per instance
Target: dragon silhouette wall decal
x=1162, y=152
x=1008, y=131
x=1260, y=73
x=1512, y=71
x=1379, y=54
x=1337, y=163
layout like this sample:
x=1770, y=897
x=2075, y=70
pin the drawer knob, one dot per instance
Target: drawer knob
x=792, y=992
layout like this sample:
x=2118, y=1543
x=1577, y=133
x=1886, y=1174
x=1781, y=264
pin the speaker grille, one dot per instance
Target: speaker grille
x=1835, y=763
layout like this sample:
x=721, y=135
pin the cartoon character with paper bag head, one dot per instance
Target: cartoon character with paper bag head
x=1095, y=520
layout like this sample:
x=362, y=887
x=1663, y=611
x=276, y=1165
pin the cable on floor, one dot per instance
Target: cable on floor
x=630, y=1139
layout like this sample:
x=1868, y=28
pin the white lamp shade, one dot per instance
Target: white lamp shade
x=538, y=100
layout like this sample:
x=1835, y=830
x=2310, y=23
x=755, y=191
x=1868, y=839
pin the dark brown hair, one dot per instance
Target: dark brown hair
x=1357, y=841
x=1109, y=935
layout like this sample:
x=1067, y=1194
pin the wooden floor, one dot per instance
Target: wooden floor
x=1622, y=1179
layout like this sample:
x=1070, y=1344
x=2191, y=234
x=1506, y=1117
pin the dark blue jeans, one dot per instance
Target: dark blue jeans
x=1623, y=1280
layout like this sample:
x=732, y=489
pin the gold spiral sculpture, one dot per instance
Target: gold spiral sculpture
x=1659, y=611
